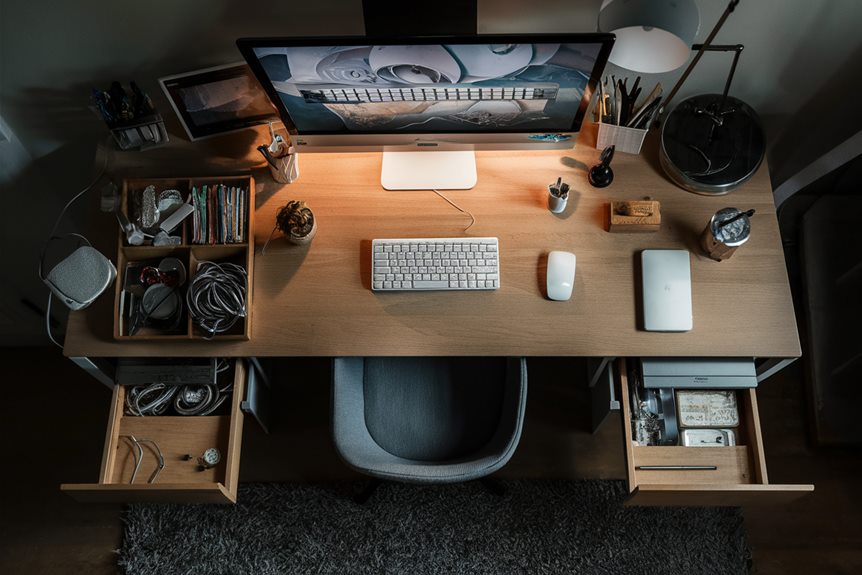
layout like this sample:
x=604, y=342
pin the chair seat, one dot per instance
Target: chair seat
x=428, y=420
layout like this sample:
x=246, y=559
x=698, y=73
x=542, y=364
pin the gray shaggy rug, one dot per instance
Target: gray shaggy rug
x=536, y=527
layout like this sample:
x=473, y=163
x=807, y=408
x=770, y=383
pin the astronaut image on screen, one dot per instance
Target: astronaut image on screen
x=430, y=88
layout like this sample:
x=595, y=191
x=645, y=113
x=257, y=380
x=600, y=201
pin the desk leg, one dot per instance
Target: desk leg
x=257, y=386
x=101, y=369
x=769, y=367
x=603, y=394
x=596, y=367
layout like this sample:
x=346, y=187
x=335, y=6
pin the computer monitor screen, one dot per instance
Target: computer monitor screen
x=509, y=92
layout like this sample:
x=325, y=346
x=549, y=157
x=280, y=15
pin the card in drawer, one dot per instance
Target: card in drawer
x=714, y=409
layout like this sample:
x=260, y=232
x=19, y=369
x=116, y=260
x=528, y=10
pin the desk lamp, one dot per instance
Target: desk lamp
x=712, y=143
x=653, y=36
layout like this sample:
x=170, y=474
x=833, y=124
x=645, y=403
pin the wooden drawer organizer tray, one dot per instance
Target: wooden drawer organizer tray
x=741, y=476
x=180, y=481
x=190, y=254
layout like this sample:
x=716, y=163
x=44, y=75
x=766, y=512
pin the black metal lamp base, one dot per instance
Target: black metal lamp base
x=712, y=144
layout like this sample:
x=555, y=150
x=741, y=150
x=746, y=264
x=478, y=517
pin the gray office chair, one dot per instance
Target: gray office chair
x=427, y=419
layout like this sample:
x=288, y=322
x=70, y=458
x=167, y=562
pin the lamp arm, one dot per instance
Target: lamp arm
x=737, y=49
x=703, y=48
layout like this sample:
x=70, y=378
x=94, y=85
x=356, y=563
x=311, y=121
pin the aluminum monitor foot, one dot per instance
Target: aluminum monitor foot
x=428, y=170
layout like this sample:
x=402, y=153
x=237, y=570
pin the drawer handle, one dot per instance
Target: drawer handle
x=677, y=467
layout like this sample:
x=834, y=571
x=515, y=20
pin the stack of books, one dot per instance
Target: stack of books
x=220, y=214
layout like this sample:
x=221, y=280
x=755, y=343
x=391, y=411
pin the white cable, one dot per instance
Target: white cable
x=472, y=218
x=272, y=233
x=51, y=236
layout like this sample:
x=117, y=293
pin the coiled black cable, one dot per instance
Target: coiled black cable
x=216, y=296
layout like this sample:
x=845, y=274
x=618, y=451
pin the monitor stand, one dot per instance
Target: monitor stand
x=439, y=170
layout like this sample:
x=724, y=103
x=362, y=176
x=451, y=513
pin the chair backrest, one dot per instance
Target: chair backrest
x=433, y=420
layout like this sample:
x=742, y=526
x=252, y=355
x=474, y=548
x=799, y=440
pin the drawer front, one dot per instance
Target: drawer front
x=740, y=477
x=180, y=481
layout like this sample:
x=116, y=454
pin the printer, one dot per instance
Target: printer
x=699, y=373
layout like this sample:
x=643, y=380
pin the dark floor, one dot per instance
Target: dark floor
x=53, y=427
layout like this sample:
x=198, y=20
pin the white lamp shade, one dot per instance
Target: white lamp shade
x=653, y=36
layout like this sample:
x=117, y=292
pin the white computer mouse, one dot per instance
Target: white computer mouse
x=561, y=275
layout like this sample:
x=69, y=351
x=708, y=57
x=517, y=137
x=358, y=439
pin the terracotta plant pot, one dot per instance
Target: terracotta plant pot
x=297, y=222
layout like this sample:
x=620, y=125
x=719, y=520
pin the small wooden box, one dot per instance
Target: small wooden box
x=617, y=222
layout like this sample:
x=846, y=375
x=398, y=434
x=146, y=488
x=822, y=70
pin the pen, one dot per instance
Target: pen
x=652, y=96
x=653, y=114
x=600, y=103
x=749, y=213
x=645, y=112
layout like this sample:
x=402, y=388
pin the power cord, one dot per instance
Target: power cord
x=52, y=237
x=216, y=296
x=459, y=208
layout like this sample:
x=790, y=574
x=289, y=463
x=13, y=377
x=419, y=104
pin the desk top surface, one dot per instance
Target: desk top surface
x=317, y=301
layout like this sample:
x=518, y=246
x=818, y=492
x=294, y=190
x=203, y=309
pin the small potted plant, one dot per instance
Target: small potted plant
x=297, y=222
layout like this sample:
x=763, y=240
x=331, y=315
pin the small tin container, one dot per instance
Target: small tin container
x=720, y=241
x=708, y=437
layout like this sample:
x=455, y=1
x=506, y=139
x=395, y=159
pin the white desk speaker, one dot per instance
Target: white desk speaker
x=82, y=277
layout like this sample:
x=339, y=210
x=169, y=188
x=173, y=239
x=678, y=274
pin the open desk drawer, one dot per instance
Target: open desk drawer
x=740, y=479
x=180, y=481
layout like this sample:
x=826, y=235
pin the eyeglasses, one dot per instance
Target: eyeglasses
x=152, y=275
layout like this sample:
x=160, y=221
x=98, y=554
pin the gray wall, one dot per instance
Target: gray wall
x=800, y=58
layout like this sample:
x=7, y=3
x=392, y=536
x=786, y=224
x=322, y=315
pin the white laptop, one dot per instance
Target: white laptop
x=666, y=290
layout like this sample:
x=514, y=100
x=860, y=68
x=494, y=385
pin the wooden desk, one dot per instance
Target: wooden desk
x=317, y=301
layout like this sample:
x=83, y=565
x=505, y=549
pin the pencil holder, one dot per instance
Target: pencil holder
x=147, y=132
x=628, y=140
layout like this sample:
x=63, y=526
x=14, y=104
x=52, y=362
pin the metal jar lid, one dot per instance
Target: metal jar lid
x=733, y=234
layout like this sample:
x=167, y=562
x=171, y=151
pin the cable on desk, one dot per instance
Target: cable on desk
x=216, y=296
x=459, y=208
x=269, y=239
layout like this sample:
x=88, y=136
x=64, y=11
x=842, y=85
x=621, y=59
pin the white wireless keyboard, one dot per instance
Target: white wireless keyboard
x=435, y=264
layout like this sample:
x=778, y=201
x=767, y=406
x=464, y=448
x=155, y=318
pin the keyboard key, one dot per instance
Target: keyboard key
x=425, y=284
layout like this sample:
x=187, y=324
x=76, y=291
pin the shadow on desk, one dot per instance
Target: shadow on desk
x=289, y=258
x=365, y=250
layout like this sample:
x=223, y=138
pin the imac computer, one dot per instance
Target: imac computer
x=429, y=102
